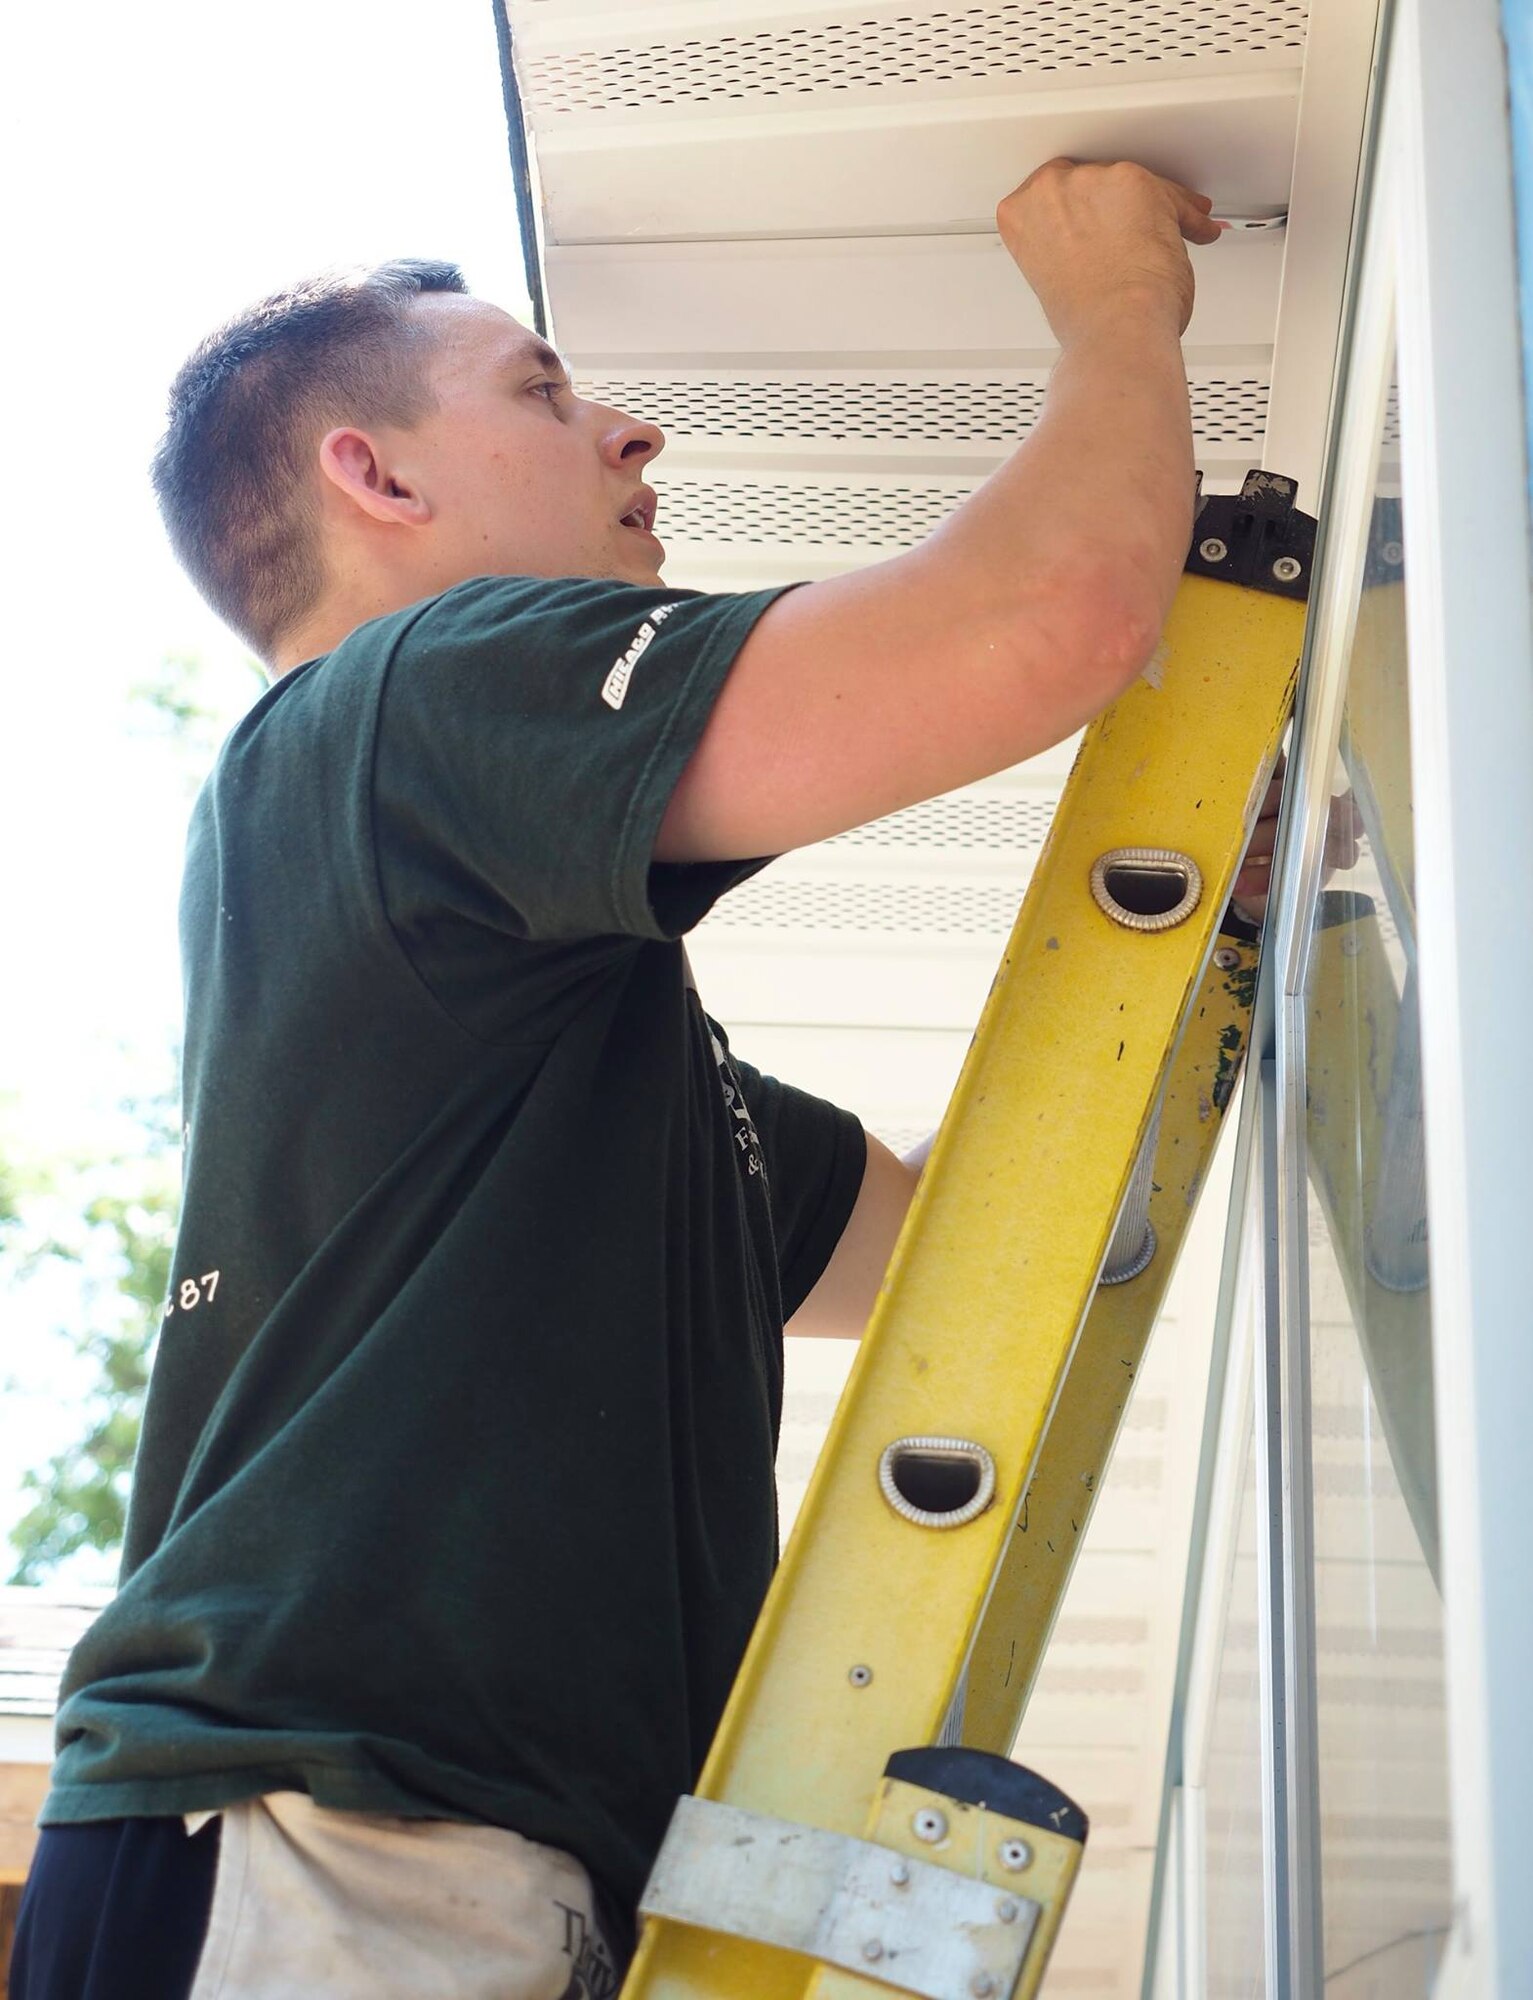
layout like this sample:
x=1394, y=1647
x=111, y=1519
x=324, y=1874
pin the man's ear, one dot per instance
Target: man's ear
x=354, y=465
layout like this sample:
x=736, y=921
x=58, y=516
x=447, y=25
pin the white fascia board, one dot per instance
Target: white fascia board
x=1327, y=152
x=26, y=1739
x=890, y=300
x=757, y=977
x=902, y=169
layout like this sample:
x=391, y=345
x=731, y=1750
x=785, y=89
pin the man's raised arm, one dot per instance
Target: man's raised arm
x=1032, y=606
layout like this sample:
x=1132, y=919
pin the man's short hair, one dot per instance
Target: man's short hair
x=234, y=470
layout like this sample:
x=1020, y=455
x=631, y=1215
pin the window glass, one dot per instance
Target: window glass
x=1232, y=1781
x=1385, y=1863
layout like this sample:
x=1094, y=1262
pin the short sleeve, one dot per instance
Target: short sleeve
x=530, y=735
x=816, y=1155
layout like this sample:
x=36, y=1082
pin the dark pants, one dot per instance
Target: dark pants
x=116, y=1910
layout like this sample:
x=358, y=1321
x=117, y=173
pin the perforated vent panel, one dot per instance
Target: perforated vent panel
x=838, y=410
x=899, y=1139
x=1391, y=432
x=1029, y=39
x=967, y=414
x=772, y=512
x=1003, y=821
x=981, y=831
x=924, y=909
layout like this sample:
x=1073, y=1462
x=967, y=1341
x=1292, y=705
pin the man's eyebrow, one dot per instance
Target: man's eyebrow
x=532, y=352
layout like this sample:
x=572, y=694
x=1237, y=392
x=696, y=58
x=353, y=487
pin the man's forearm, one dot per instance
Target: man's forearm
x=1102, y=489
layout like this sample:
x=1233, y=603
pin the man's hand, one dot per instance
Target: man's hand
x=1093, y=241
x=1253, y=885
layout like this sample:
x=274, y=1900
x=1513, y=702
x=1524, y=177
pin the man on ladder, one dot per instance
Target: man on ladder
x=455, y=1502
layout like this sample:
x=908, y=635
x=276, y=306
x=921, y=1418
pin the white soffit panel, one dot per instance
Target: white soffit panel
x=975, y=96
x=771, y=231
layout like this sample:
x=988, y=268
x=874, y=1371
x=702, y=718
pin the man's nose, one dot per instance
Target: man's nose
x=626, y=441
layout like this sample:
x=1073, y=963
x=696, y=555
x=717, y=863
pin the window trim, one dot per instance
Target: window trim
x=1464, y=477
x=1440, y=222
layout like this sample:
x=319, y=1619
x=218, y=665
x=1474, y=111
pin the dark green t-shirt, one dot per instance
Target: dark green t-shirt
x=455, y=1496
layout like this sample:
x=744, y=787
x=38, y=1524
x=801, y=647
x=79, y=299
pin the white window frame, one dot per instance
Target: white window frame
x=1469, y=606
x=1440, y=261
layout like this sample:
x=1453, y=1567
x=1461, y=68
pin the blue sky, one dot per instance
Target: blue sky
x=164, y=165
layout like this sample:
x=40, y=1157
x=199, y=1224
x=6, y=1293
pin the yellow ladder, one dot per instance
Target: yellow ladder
x=858, y=1828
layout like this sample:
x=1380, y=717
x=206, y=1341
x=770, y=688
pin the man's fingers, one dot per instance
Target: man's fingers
x=1341, y=847
x=1253, y=884
x=1193, y=214
x=1263, y=839
x=1198, y=228
x=1343, y=833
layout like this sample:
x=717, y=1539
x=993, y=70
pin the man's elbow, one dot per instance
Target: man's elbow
x=1077, y=653
x=1117, y=628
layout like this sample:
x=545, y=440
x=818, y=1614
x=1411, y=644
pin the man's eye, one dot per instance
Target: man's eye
x=553, y=390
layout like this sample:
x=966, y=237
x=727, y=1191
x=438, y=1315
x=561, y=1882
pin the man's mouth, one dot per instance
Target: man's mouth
x=641, y=514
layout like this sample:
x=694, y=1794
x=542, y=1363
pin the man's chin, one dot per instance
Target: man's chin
x=641, y=556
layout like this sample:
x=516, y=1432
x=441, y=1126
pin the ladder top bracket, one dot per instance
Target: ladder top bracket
x=1256, y=537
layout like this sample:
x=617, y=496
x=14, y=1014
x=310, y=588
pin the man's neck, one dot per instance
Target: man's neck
x=327, y=627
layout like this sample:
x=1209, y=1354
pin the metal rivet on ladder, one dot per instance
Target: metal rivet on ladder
x=1142, y=1259
x=1288, y=569
x=1133, y=1243
x=1213, y=550
x=1226, y=958
x=1015, y=1855
x=873, y=1951
x=860, y=1676
x=929, y=1825
x=936, y=1482
x=1146, y=888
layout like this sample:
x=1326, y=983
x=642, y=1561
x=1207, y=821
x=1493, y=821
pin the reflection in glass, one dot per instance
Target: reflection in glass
x=1385, y=1863
x=1232, y=1800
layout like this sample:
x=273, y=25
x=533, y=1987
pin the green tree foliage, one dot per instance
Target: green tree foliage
x=117, y=1242
x=176, y=707
x=10, y=1203
x=107, y=1224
